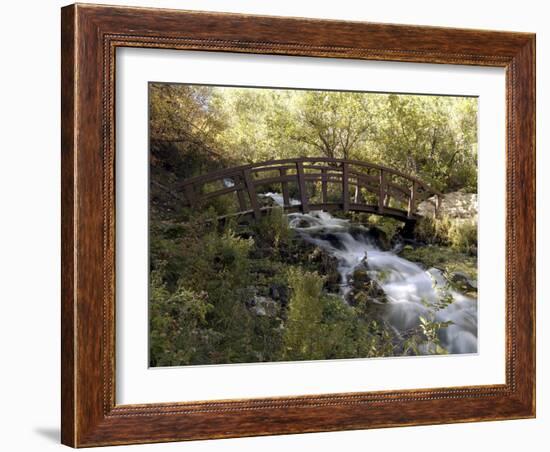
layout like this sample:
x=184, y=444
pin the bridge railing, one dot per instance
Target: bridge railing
x=363, y=186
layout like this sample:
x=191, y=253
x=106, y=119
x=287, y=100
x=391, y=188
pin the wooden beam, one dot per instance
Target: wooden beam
x=249, y=183
x=240, y=195
x=412, y=201
x=302, y=187
x=345, y=187
x=324, y=185
x=381, y=192
x=190, y=195
x=284, y=186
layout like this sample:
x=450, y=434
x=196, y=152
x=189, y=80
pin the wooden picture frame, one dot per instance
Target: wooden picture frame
x=90, y=36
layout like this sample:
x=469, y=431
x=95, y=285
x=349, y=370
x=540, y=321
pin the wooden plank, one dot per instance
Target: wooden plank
x=190, y=194
x=284, y=186
x=240, y=194
x=221, y=192
x=345, y=187
x=412, y=201
x=249, y=184
x=324, y=185
x=302, y=186
x=381, y=192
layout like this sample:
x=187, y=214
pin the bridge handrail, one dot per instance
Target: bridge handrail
x=381, y=184
x=218, y=174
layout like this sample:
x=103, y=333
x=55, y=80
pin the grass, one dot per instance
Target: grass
x=444, y=258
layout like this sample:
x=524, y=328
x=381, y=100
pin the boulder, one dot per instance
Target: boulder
x=301, y=224
x=334, y=239
x=455, y=205
x=374, y=290
x=264, y=306
x=329, y=267
x=279, y=293
x=463, y=282
x=369, y=293
x=360, y=277
x=380, y=238
x=364, y=288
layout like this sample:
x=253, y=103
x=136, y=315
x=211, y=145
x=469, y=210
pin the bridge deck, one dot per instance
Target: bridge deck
x=396, y=214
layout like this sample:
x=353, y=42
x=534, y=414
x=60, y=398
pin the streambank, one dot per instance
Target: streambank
x=409, y=295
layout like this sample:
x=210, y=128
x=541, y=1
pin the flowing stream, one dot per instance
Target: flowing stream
x=411, y=291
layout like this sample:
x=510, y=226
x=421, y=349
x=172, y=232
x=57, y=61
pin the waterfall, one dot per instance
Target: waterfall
x=409, y=289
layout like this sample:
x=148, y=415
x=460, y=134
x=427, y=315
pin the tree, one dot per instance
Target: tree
x=431, y=137
x=335, y=124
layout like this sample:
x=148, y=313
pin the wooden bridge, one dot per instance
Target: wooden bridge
x=314, y=183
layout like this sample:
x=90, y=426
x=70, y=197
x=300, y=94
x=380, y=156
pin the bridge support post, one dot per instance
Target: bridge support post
x=324, y=188
x=190, y=195
x=302, y=186
x=345, y=187
x=240, y=194
x=249, y=184
x=356, y=195
x=412, y=201
x=381, y=192
x=284, y=187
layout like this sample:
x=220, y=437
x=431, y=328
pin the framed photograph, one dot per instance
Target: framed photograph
x=281, y=225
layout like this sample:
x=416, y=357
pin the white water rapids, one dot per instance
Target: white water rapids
x=409, y=288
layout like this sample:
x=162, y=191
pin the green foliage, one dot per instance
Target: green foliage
x=208, y=281
x=447, y=259
x=430, y=329
x=321, y=326
x=431, y=137
x=424, y=339
x=303, y=334
x=463, y=236
x=206, y=265
x=432, y=230
x=460, y=234
x=180, y=113
x=388, y=226
x=175, y=320
x=273, y=228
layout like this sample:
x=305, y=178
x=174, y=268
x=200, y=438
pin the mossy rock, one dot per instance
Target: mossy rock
x=365, y=289
x=360, y=277
x=463, y=282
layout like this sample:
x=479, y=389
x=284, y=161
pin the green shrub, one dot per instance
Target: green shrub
x=463, y=236
x=302, y=338
x=442, y=257
x=273, y=228
x=460, y=234
x=205, y=280
x=175, y=319
x=388, y=226
x=322, y=326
